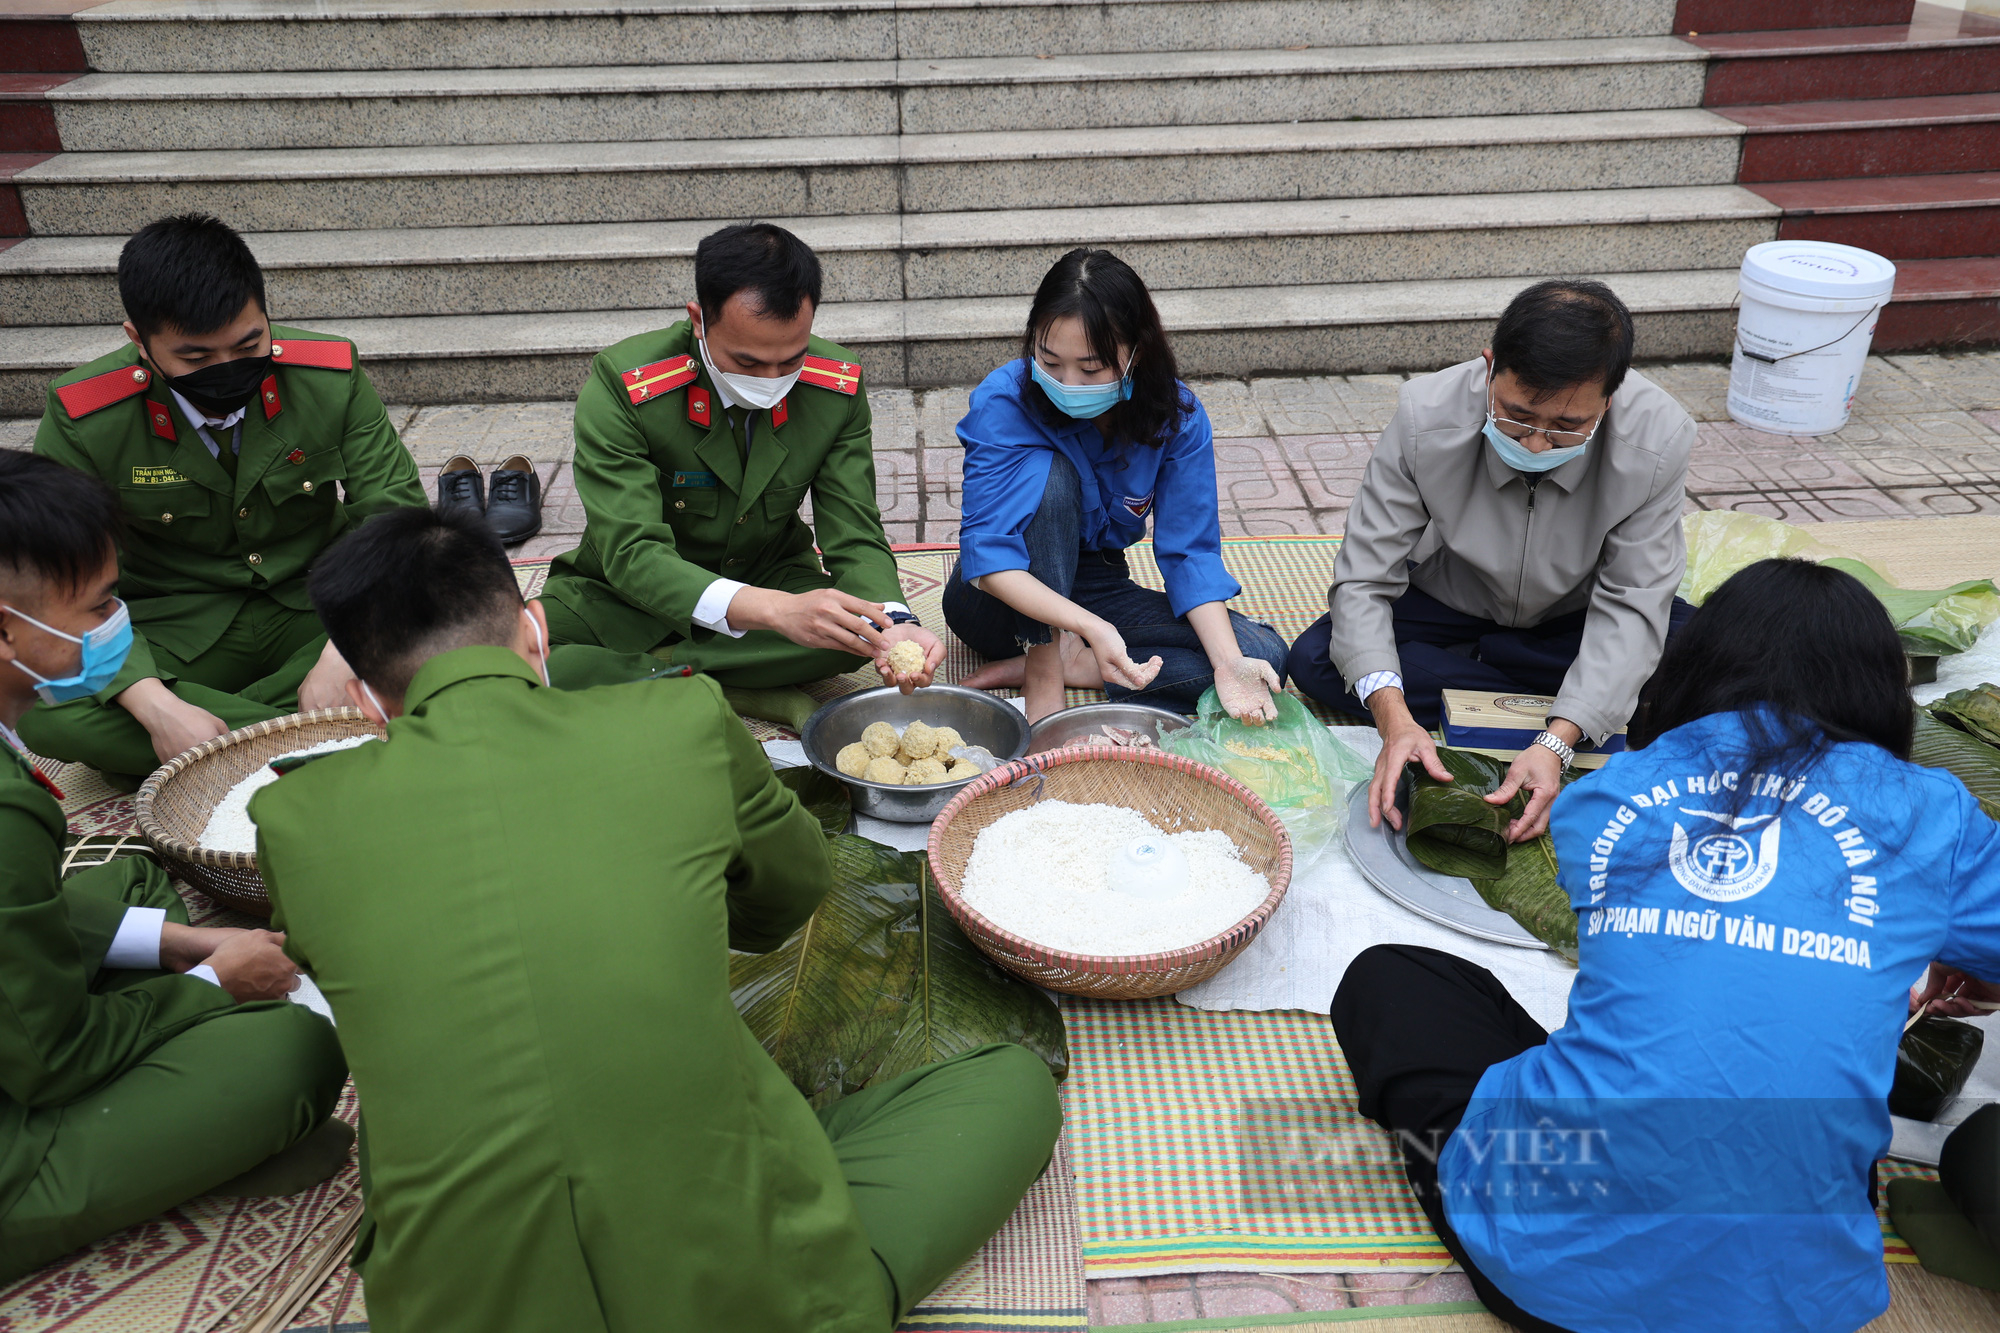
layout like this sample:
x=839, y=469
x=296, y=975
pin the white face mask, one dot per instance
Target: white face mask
x=750, y=390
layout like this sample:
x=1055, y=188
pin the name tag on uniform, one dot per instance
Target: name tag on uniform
x=156, y=476
x=704, y=479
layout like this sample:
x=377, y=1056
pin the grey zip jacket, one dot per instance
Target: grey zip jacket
x=1602, y=531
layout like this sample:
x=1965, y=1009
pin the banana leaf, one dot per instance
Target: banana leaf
x=1975, y=712
x=824, y=798
x=1451, y=827
x=1453, y=830
x=881, y=981
x=1934, y=622
x=1970, y=760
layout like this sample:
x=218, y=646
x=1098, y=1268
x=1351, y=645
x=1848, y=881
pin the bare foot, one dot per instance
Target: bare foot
x=1079, y=669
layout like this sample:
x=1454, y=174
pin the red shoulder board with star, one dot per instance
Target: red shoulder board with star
x=659, y=379
x=840, y=376
x=319, y=353
x=100, y=391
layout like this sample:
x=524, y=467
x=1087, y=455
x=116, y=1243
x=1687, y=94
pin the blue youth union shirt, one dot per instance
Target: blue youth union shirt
x=1692, y=1149
x=1007, y=450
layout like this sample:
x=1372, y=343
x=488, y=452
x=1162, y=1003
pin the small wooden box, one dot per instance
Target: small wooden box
x=1503, y=725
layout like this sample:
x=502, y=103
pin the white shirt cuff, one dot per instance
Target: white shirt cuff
x=1374, y=681
x=137, y=943
x=712, y=611
x=205, y=972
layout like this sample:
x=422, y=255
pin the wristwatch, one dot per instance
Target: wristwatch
x=1548, y=740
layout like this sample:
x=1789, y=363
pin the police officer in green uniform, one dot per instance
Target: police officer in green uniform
x=239, y=450
x=695, y=447
x=124, y=1089
x=568, y=1124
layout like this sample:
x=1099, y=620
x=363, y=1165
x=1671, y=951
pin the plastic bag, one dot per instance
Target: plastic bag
x=1293, y=763
x=1933, y=1062
x=1931, y=622
x=1722, y=541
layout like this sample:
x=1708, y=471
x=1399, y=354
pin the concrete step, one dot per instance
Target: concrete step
x=392, y=108
x=280, y=190
x=1900, y=217
x=495, y=270
x=1887, y=136
x=212, y=36
x=1875, y=61
x=1351, y=327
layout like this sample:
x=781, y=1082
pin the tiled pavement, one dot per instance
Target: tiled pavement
x=1924, y=439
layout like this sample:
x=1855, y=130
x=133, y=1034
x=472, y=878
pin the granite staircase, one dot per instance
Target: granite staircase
x=483, y=197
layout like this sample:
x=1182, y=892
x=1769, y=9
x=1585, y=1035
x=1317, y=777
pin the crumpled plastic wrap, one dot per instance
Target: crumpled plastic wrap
x=1293, y=763
x=1933, y=1062
x=1930, y=622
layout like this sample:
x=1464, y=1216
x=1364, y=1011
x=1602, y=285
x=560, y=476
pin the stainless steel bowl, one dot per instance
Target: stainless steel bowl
x=1065, y=725
x=978, y=716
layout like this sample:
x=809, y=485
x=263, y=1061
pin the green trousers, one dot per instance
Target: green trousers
x=939, y=1158
x=761, y=659
x=251, y=674
x=199, y=1110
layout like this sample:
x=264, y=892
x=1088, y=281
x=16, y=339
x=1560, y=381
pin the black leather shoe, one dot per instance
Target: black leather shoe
x=460, y=486
x=514, y=501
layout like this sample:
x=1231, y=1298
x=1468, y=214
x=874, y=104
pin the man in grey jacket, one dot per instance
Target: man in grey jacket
x=1518, y=529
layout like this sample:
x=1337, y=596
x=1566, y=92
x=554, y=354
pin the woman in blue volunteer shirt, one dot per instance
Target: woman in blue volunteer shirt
x=1067, y=451
x=1755, y=890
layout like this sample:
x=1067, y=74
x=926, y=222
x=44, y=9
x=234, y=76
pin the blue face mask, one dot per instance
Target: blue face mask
x=105, y=649
x=1083, y=401
x=1523, y=459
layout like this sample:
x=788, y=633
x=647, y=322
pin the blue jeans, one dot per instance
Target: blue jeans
x=1101, y=583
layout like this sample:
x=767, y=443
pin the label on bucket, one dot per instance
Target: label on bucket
x=1801, y=388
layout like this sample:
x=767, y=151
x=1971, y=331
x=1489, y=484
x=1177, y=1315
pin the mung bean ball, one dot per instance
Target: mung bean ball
x=919, y=740
x=853, y=759
x=906, y=659
x=884, y=769
x=923, y=773
x=947, y=740
x=881, y=739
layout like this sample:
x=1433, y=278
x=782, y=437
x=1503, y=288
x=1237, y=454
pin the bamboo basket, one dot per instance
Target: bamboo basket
x=175, y=803
x=1176, y=794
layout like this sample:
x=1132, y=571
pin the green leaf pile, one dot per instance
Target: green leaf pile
x=1930, y=623
x=1452, y=829
x=1967, y=758
x=881, y=980
x=1975, y=711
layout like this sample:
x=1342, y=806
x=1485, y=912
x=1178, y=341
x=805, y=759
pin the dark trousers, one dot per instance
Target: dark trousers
x=1445, y=649
x=1101, y=583
x=1419, y=1027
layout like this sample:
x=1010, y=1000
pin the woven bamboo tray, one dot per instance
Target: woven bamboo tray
x=175, y=803
x=1177, y=794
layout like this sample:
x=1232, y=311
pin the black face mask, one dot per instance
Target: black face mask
x=220, y=389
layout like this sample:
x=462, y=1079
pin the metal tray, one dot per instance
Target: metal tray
x=1385, y=861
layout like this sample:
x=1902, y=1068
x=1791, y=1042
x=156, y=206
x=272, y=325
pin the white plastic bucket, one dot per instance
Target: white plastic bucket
x=1807, y=314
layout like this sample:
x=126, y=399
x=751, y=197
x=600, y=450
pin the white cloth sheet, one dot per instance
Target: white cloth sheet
x=1330, y=914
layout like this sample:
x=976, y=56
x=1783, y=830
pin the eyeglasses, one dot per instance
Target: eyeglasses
x=1558, y=439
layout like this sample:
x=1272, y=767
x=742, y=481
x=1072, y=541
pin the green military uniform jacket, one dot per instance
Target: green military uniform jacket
x=201, y=542
x=671, y=503
x=521, y=907
x=59, y=1040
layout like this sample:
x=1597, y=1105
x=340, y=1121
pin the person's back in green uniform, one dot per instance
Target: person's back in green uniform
x=521, y=909
x=239, y=450
x=124, y=1089
x=695, y=447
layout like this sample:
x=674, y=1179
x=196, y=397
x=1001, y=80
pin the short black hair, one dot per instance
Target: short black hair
x=1102, y=291
x=1564, y=331
x=779, y=270
x=56, y=524
x=191, y=271
x=1807, y=641
x=412, y=583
